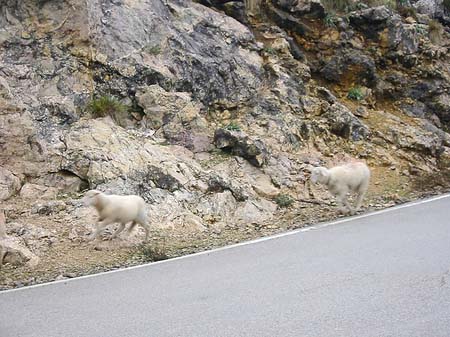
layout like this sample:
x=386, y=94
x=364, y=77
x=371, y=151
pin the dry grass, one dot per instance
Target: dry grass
x=435, y=31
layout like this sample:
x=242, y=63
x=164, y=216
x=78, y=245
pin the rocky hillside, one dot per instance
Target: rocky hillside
x=213, y=112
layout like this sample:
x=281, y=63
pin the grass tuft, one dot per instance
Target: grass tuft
x=233, y=126
x=355, y=94
x=284, y=200
x=108, y=106
x=435, y=31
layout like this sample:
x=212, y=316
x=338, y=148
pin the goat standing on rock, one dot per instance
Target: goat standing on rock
x=117, y=208
x=344, y=179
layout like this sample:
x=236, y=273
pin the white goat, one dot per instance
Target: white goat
x=344, y=179
x=117, y=208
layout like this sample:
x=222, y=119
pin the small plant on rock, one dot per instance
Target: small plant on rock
x=330, y=20
x=152, y=253
x=233, y=126
x=154, y=50
x=355, y=94
x=108, y=106
x=420, y=29
x=284, y=200
x=269, y=50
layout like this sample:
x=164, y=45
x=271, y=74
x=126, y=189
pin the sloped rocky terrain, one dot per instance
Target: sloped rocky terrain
x=220, y=110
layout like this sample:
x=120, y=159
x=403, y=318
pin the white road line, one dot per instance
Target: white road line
x=245, y=243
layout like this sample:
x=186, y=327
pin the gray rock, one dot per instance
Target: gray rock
x=432, y=8
x=160, y=106
x=403, y=37
x=287, y=20
x=302, y=8
x=416, y=109
x=441, y=106
x=351, y=63
x=48, y=208
x=238, y=143
x=362, y=112
x=344, y=124
x=9, y=184
x=409, y=138
x=371, y=20
x=326, y=94
x=218, y=184
x=162, y=179
x=235, y=9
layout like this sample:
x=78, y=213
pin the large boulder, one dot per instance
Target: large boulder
x=371, y=21
x=344, y=124
x=240, y=144
x=387, y=28
x=350, y=66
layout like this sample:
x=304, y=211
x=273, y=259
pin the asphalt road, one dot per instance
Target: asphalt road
x=386, y=274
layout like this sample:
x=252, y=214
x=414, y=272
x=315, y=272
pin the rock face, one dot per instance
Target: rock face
x=222, y=115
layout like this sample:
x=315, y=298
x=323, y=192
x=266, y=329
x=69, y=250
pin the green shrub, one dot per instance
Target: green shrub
x=284, y=200
x=372, y=50
x=330, y=20
x=269, y=50
x=154, y=50
x=108, y=106
x=420, y=29
x=152, y=253
x=355, y=94
x=233, y=126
